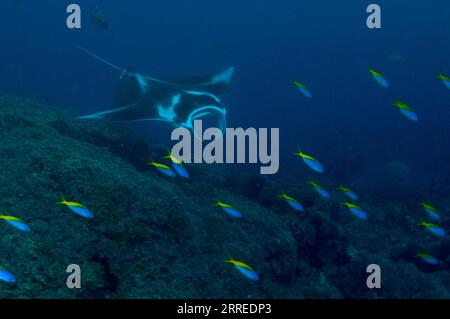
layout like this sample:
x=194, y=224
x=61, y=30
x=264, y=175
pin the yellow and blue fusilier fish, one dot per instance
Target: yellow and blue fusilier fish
x=356, y=210
x=406, y=110
x=431, y=211
x=295, y=204
x=428, y=258
x=379, y=78
x=78, y=208
x=16, y=222
x=434, y=229
x=244, y=269
x=302, y=88
x=319, y=189
x=230, y=210
x=313, y=163
x=445, y=79
x=6, y=276
x=348, y=192
x=178, y=166
x=163, y=168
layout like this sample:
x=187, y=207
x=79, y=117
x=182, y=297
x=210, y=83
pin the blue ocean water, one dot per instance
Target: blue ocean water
x=324, y=44
x=349, y=124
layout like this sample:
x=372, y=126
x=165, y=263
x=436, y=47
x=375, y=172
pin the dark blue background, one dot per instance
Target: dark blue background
x=323, y=44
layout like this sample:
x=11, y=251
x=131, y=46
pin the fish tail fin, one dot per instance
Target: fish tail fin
x=229, y=260
x=62, y=199
x=173, y=158
x=100, y=59
x=440, y=75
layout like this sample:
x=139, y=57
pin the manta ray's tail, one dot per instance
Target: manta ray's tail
x=119, y=68
x=99, y=58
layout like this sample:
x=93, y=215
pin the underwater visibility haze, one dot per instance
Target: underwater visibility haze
x=88, y=177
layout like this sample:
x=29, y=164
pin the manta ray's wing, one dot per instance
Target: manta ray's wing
x=214, y=84
x=135, y=100
x=160, y=103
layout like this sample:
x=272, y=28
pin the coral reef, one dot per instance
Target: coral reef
x=156, y=237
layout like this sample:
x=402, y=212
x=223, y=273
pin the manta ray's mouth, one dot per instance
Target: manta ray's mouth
x=211, y=115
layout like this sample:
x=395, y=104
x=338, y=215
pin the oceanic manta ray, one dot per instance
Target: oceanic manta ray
x=179, y=102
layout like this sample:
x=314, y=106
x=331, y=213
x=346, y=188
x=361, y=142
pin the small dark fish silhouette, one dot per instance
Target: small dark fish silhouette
x=98, y=19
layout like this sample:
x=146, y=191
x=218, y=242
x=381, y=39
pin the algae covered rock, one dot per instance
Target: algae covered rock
x=157, y=237
x=151, y=237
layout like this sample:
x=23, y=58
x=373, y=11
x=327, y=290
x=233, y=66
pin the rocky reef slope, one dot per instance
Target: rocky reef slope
x=156, y=237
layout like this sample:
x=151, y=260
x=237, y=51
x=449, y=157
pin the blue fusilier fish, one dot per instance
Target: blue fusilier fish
x=230, y=210
x=445, y=79
x=163, y=169
x=77, y=208
x=434, y=229
x=428, y=258
x=302, y=88
x=348, y=192
x=356, y=210
x=431, y=211
x=295, y=204
x=319, y=189
x=177, y=102
x=244, y=269
x=16, y=222
x=6, y=276
x=178, y=166
x=313, y=163
x=406, y=110
x=379, y=78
